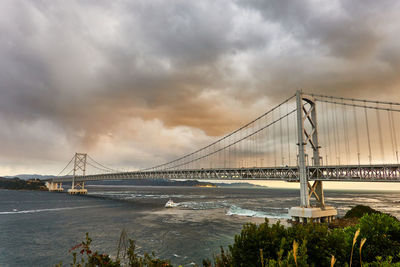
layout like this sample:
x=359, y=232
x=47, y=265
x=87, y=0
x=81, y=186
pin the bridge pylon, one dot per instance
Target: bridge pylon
x=78, y=187
x=307, y=134
x=54, y=186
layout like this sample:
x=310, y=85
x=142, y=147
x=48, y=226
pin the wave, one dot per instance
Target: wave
x=234, y=210
x=45, y=210
x=203, y=205
x=355, y=199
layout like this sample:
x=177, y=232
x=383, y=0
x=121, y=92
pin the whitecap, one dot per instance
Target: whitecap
x=235, y=210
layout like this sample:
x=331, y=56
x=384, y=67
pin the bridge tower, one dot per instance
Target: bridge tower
x=78, y=187
x=307, y=133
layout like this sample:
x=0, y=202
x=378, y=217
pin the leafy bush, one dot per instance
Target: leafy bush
x=383, y=231
x=359, y=211
x=376, y=236
x=276, y=241
x=253, y=238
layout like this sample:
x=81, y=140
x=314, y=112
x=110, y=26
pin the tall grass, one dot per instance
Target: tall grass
x=361, y=245
x=354, y=242
x=295, y=247
x=333, y=260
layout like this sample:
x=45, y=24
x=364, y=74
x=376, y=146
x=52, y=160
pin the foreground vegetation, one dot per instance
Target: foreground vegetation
x=373, y=241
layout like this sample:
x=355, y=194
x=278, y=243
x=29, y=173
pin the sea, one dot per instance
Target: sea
x=39, y=228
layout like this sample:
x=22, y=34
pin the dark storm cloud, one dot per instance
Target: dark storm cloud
x=83, y=70
x=340, y=44
x=344, y=28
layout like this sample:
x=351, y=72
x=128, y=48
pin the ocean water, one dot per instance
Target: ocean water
x=38, y=228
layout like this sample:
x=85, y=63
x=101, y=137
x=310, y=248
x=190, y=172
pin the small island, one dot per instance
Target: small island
x=16, y=183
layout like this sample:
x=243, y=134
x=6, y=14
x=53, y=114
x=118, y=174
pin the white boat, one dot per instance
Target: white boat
x=170, y=204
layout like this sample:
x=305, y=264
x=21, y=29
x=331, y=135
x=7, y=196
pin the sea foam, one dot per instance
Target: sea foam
x=235, y=210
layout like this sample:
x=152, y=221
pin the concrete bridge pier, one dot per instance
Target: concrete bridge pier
x=54, y=187
x=313, y=214
x=78, y=188
x=307, y=130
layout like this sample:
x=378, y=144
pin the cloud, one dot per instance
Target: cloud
x=85, y=70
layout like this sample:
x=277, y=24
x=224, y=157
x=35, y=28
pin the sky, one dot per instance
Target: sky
x=138, y=83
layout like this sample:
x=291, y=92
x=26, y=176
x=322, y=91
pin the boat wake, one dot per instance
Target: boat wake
x=171, y=204
x=15, y=211
x=203, y=205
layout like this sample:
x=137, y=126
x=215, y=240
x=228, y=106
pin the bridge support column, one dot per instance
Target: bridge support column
x=318, y=192
x=54, y=186
x=306, y=114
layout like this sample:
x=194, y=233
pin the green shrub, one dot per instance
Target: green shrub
x=383, y=233
x=359, y=211
x=275, y=242
x=245, y=250
x=271, y=245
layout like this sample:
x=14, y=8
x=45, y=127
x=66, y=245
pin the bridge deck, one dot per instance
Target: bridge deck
x=360, y=173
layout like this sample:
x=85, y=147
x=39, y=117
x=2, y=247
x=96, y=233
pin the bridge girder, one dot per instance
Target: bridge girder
x=358, y=173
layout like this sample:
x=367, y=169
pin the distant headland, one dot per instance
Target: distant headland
x=35, y=182
x=16, y=183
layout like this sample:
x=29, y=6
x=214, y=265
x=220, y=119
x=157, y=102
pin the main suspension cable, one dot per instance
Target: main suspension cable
x=103, y=166
x=360, y=106
x=243, y=138
x=101, y=169
x=66, y=166
x=356, y=100
x=226, y=136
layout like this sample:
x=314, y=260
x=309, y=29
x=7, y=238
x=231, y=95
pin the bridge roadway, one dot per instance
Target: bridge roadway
x=355, y=173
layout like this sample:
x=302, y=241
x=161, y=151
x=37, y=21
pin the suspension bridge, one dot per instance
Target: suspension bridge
x=306, y=138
